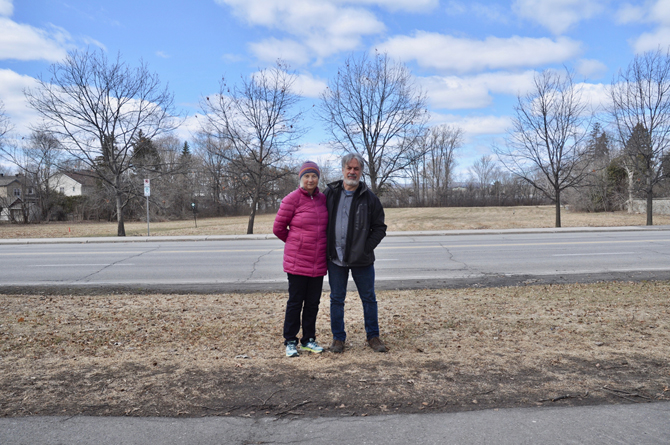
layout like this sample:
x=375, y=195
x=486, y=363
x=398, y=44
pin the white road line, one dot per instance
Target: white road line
x=594, y=254
x=78, y=265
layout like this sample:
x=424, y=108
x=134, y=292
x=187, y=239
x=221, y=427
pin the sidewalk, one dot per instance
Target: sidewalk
x=638, y=424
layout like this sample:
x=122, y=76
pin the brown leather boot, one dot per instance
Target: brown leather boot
x=377, y=345
x=337, y=346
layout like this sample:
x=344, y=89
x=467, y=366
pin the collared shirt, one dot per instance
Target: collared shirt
x=342, y=225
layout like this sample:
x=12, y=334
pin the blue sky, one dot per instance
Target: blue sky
x=471, y=58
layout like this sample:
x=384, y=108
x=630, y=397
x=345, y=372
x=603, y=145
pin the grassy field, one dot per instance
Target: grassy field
x=404, y=219
x=450, y=350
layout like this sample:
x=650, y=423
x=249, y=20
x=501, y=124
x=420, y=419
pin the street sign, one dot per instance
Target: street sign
x=147, y=187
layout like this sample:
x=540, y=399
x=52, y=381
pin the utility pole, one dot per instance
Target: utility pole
x=147, y=193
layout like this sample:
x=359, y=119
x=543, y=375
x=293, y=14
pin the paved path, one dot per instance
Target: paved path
x=639, y=424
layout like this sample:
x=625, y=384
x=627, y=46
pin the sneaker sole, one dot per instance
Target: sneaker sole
x=310, y=350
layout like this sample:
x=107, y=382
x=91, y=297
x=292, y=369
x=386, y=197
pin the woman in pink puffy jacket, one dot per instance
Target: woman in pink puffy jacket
x=301, y=223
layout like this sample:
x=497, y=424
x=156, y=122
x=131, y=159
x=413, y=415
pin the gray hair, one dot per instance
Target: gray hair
x=349, y=156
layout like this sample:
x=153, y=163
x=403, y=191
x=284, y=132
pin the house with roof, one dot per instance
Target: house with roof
x=73, y=183
x=17, y=198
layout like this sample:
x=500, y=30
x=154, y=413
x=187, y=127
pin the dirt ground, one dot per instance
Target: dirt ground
x=222, y=355
x=406, y=219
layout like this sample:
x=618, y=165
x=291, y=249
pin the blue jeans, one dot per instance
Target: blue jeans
x=364, y=277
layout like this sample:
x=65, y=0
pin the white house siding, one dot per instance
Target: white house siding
x=66, y=185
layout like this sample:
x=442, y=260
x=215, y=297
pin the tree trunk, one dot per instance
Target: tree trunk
x=631, y=184
x=558, y=208
x=121, y=231
x=252, y=215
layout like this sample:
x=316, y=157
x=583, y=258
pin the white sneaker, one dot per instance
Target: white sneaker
x=292, y=349
x=312, y=346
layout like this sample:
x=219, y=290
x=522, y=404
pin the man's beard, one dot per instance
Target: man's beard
x=352, y=182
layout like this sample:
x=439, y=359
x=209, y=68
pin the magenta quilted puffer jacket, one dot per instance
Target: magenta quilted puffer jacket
x=301, y=223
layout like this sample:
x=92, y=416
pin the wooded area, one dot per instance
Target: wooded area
x=107, y=126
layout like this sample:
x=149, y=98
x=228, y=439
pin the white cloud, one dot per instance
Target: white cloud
x=594, y=95
x=452, y=54
x=264, y=11
x=12, y=85
x=456, y=8
x=486, y=11
x=455, y=93
x=660, y=12
x=24, y=42
x=557, y=15
x=6, y=8
x=651, y=41
x=474, y=125
x=307, y=86
x=395, y=5
x=269, y=50
x=319, y=153
x=452, y=92
x=591, y=68
x=630, y=14
x=323, y=27
x=188, y=128
x=649, y=12
x=163, y=54
x=657, y=13
x=233, y=58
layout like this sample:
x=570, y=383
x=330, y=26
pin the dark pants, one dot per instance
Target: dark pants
x=364, y=277
x=304, y=295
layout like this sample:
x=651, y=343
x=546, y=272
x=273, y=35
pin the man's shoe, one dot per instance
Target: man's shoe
x=292, y=349
x=312, y=346
x=377, y=345
x=337, y=346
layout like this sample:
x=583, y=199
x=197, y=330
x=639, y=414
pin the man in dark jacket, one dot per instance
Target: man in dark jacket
x=355, y=227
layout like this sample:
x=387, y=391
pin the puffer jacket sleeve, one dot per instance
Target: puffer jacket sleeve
x=284, y=216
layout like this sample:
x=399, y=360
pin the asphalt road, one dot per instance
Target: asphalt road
x=416, y=260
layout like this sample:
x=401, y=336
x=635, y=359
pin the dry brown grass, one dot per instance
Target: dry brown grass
x=406, y=219
x=449, y=350
x=461, y=218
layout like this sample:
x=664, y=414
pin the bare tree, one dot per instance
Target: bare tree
x=484, y=172
x=640, y=110
x=36, y=158
x=544, y=146
x=97, y=107
x=442, y=142
x=5, y=125
x=373, y=108
x=43, y=154
x=258, y=126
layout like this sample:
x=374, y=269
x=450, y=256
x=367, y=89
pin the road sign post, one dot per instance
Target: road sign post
x=147, y=193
